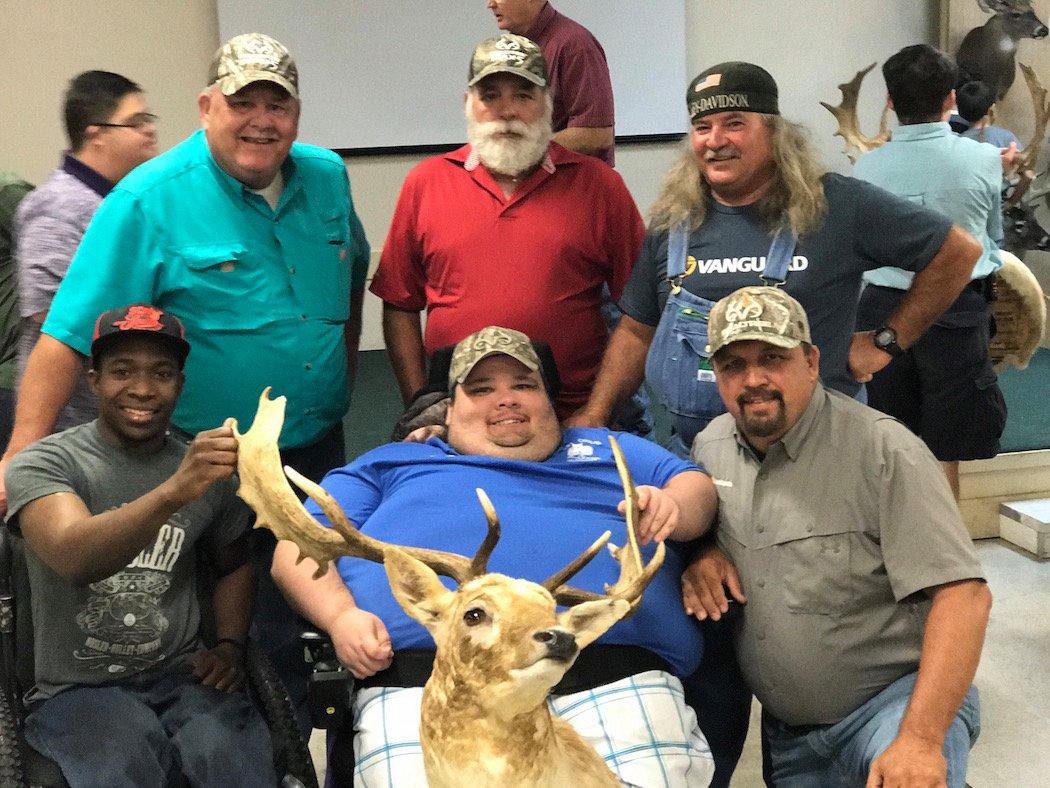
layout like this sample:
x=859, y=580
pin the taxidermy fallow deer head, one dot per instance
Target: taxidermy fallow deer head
x=501, y=643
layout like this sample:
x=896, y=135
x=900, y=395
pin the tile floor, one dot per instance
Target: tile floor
x=1014, y=679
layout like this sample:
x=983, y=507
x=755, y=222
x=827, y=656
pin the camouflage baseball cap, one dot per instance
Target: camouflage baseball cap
x=487, y=342
x=767, y=314
x=253, y=57
x=509, y=54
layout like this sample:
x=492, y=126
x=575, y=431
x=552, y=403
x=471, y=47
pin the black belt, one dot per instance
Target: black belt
x=595, y=666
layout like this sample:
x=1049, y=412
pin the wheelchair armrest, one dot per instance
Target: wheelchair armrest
x=330, y=686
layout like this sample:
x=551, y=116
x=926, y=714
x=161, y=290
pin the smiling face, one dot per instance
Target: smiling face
x=250, y=132
x=137, y=381
x=734, y=151
x=502, y=410
x=766, y=388
x=508, y=123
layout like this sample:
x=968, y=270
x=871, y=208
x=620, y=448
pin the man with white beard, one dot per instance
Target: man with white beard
x=512, y=229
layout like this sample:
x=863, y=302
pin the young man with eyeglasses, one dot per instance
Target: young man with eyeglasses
x=111, y=131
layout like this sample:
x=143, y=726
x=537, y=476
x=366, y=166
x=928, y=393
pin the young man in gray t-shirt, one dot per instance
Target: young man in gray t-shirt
x=118, y=519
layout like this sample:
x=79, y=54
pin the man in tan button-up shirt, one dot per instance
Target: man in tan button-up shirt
x=863, y=603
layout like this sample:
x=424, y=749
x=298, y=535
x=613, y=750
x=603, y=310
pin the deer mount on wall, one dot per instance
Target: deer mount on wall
x=501, y=644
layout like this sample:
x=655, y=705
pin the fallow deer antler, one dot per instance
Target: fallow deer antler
x=265, y=488
x=849, y=125
x=1027, y=158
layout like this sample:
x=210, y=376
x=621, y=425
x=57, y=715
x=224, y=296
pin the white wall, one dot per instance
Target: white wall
x=166, y=46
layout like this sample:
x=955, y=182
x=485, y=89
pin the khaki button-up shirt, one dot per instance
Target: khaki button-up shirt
x=834, y=533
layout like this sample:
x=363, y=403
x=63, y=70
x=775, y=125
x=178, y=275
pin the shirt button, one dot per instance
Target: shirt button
x=302, y=317
x=809, y=528
x=761, y=635
x=308, y=365
x=291, y=269
x=761, y=584
x=761, y=529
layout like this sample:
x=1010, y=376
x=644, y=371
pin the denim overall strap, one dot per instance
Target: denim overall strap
x=778, y=258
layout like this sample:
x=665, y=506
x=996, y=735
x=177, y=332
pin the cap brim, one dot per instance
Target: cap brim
x=180, y=346
x=525, y=74
x=533, y=365
x=232, y=83
x=769, y=339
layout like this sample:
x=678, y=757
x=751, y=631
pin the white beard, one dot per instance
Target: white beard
x=509, y=155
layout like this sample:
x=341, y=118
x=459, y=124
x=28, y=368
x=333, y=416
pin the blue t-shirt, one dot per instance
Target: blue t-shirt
x=423, y=495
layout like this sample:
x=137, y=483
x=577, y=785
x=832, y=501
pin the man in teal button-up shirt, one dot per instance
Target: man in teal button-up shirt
x=943, y=386
x=251, y=239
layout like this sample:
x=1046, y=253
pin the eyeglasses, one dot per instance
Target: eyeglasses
x=136, y=122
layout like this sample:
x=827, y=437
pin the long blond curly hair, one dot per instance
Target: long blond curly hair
x=797, y=190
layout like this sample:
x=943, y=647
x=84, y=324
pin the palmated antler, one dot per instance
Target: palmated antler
x=849, y=125
x=634, y=575
x=1041, y=107
x=265, y=489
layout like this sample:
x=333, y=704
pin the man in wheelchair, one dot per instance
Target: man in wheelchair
x=115, y=514
x=555, y=491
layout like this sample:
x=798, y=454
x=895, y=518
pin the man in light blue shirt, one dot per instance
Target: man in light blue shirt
x=943, y=386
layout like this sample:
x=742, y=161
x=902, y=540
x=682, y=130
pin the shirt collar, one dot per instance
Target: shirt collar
x=472, y=161
x=543, y=21
x=91, y=178
x=922, y=131
x=796, y=436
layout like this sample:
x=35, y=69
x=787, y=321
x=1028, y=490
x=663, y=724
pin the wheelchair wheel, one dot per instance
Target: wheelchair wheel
x=291, y=753
x=10, y=748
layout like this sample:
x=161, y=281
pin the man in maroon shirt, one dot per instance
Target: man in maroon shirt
x=578, y=73
x=512, y=229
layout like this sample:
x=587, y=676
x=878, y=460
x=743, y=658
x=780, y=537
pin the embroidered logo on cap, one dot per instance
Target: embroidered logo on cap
x=141, y=318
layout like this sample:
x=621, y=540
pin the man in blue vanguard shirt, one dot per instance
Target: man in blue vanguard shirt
x=943, y=386
x=251, y=238
x=555, y=491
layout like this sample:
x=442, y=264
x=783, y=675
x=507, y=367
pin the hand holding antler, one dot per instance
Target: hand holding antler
x=659, y=514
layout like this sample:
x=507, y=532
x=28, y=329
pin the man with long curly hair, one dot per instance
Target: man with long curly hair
x=749, y=196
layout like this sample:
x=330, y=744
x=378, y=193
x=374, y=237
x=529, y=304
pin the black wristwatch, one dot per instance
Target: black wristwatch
x=886, y=339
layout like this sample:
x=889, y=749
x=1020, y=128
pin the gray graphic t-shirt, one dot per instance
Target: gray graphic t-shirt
x=142, y=621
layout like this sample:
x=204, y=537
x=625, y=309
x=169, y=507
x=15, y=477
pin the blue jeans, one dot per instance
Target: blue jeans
x=842, y=754
x=136, y=736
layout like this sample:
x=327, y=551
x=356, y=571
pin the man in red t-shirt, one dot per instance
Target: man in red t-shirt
x=578, y=74
x=512, y=229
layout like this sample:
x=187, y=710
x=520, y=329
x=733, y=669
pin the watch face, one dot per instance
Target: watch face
x=885, y=337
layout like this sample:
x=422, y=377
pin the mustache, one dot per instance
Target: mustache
x=759, y=392
x=494, y=127
x=722, y=154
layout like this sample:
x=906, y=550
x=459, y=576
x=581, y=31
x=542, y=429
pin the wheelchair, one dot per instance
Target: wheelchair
x=21, y=765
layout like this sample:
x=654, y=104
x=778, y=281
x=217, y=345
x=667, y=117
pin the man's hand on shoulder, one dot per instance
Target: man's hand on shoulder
x=705, y=582
x=864, y=358
x=221, y=667
x=361, y=642
x=909, y=761
x=211, y=457
x=660, y=514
